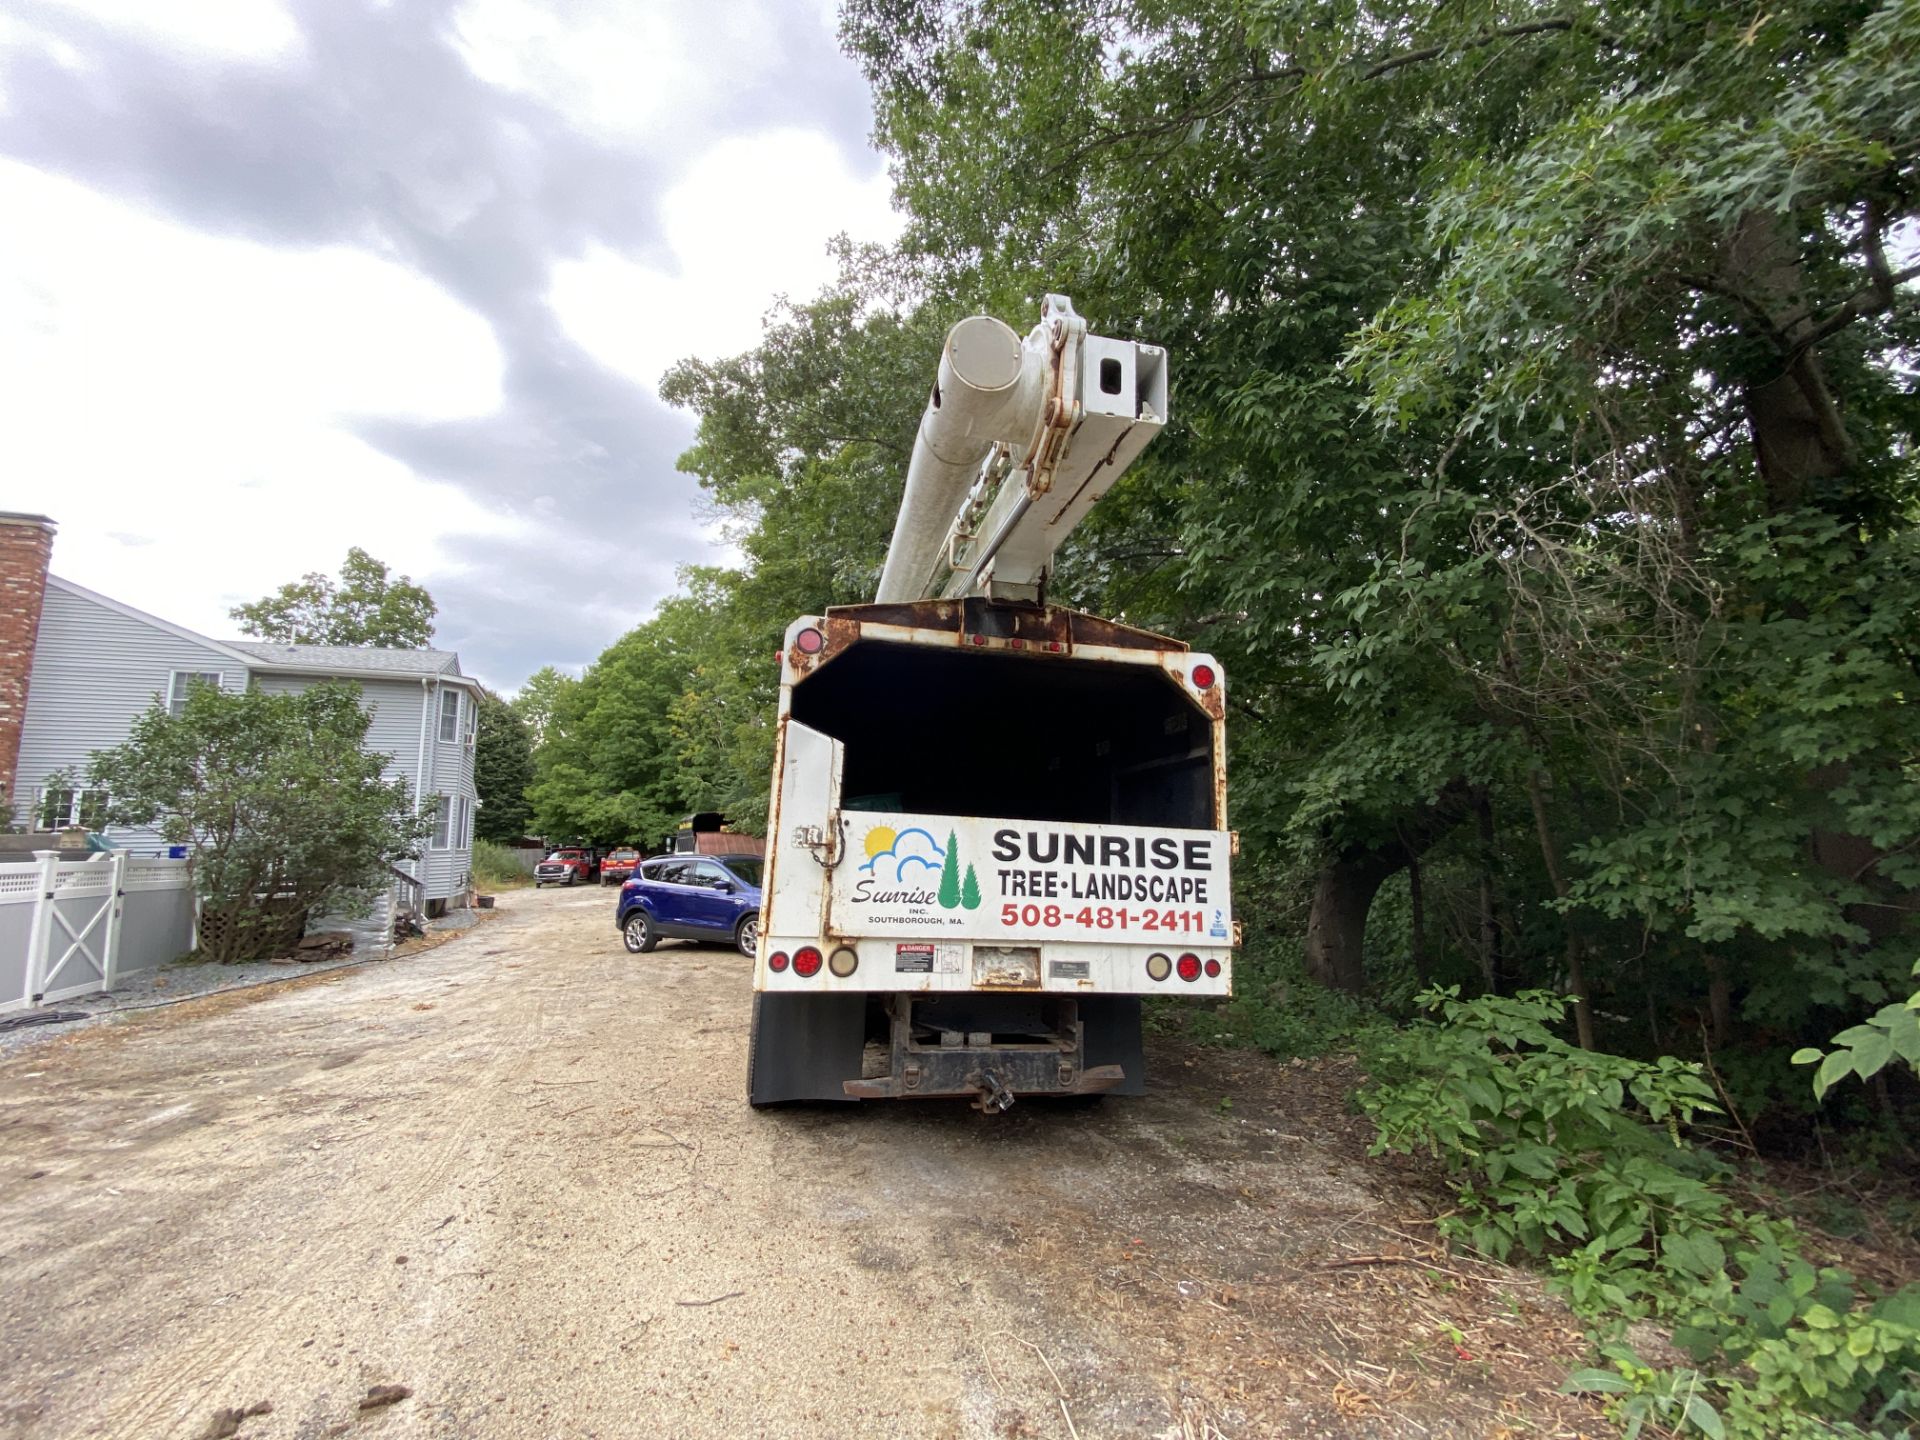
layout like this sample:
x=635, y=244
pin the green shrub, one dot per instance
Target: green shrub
x=496, y=866
x=284, y=809
x=1579, y=1160
x=1275, y=1007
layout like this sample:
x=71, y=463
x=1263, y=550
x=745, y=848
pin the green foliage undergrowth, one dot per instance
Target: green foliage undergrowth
x=496, y=867
x=1891, y=1033
x=1580, y=1161
x=1276, y=1007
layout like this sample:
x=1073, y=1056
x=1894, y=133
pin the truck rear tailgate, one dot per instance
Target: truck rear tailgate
x=946, y=902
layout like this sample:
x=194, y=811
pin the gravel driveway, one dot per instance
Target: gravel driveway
x=517, y=1177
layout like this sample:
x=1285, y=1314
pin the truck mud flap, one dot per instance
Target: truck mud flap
x=804, y=1047
x=1111, y=1024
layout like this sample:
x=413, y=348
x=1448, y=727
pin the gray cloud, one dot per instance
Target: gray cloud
x=375, y=133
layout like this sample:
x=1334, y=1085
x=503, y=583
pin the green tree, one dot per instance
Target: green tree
x=537, y=699
x=970, y=890
x=285, y=813
x=801, y=445
x=950, y=875
x=608, y=770
x=502, y=771
x=366, y=607
x=1543, y=466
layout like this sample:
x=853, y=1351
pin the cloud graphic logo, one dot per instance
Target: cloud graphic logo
x=910, y=856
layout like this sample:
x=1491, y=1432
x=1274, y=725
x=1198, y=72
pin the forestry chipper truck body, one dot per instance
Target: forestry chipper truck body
x=996, y=824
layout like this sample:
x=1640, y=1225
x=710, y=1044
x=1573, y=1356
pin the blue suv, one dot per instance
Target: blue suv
x=692, y=897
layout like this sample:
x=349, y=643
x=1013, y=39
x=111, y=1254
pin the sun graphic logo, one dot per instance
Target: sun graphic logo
x=912, y=856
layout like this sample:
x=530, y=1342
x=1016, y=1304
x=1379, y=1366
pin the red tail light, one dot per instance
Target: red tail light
x=1189, y=966
x=777, y=960
x=1202, y=677
x=1213, y=969
x=809, y=641
x=806, y=962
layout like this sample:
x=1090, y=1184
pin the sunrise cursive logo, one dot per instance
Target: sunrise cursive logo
x=911, y=867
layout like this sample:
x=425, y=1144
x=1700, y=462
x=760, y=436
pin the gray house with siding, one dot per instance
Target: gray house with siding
x=98, y=664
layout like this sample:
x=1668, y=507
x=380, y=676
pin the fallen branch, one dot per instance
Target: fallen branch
x=1043, y=1360
x=1417, y=1260
x=731, y=1294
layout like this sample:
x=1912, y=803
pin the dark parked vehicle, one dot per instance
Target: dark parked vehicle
x=692, y=897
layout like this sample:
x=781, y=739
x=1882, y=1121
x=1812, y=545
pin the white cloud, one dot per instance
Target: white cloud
x=622, y=71
x=751, y=220
x=233, y=29
x=177, y=398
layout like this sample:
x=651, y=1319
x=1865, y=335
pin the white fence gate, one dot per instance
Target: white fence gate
x=72, y=927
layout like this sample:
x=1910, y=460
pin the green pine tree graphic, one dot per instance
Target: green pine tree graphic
x=950, y=875
x=970, y=891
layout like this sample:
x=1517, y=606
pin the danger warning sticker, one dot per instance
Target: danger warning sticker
x=913, y=959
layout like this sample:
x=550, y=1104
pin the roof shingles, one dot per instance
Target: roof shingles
x=349, y=659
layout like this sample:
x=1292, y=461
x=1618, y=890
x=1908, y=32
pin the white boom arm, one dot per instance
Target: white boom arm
x=1018, y=441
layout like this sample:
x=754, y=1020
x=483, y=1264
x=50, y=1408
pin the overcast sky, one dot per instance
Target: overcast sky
x=278, y=277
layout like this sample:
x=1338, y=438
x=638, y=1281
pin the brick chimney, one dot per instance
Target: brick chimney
x=26, y=549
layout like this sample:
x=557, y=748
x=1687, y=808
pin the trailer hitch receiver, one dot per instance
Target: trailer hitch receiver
x=994, y=1097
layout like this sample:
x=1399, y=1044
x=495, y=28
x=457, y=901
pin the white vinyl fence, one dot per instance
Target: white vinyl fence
x=71, y=927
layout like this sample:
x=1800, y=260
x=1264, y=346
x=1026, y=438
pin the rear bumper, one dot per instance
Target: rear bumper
x=986, y=1074
x=1044, y=1049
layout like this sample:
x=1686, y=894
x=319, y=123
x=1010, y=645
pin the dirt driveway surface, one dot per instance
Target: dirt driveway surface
x=516, y=1176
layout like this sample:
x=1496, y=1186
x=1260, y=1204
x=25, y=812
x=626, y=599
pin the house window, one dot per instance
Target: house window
x=462, y=818
x=61, y=806
x=442, y=813
x=449, y=715
x=184, y=680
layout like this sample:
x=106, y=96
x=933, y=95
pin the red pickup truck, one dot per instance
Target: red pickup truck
x=617, y=866
x=569, y=865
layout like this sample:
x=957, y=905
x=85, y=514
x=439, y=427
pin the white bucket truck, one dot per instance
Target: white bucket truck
x=996, y=824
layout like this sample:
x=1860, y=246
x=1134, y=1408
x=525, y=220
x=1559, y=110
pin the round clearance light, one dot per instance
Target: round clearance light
x=1159, y=967
x=843, y=962
x=806, y=962
x=1189, y=966
x=1202, y=677
x=777, y=960
x=809, y=641
x=1213, y=969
